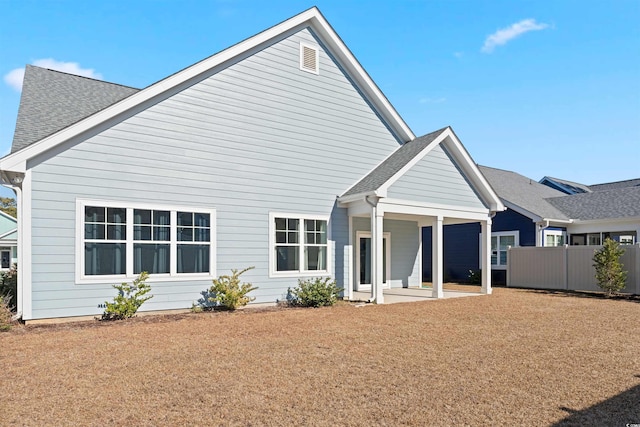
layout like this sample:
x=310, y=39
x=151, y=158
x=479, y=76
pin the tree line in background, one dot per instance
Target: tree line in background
x=8, y=206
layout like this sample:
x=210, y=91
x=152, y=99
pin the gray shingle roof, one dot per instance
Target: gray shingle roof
x=606, y=204
x=52, y=100
x=392, y=164
x=618, y=184
x=526, y=193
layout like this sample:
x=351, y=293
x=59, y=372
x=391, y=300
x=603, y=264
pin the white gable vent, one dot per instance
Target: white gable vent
x=309, y=58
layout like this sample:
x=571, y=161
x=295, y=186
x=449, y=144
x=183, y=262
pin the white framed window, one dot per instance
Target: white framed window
x=500, y=242
x=119, y=240
x=298, y=245
x=554, y=238
x=309, y=58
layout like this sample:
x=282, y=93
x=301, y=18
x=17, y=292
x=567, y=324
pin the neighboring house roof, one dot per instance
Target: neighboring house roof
x=524, y=195
x=52, y=100
x=617, y=184
x=406, y=156
x=607, y=204
x=567, y=187
x=392, y=164
x=16, y=162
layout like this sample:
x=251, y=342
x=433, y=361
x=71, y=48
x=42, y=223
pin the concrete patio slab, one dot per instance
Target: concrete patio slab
x=396, y=295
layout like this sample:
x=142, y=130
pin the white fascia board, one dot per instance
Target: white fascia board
x=311, y=17
x=472, y=172
x=523, y=211
x=624, y=220
x=558, y=221
x=462, y=159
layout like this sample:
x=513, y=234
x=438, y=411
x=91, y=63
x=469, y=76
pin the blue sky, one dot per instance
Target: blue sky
x=538, y=87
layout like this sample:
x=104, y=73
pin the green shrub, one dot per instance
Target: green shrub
x=475, y=277
x=9, y=284
x=316, y=292
x=6, y=313
x=228, y=292
x=129, y=299
x=609, y=273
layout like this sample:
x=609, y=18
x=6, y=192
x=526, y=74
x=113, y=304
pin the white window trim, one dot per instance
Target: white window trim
x=82, y=279
x=273, y=273
x=515, y=233
x=553, y=233
x=317, y=51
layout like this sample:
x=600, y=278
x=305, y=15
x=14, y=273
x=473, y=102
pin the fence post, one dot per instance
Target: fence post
x=565, y=274
x=508, y=265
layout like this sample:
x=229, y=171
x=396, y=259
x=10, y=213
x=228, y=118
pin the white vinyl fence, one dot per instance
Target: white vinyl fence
x=565, y=267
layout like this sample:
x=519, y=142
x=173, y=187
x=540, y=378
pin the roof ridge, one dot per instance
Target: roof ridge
x=82, y=77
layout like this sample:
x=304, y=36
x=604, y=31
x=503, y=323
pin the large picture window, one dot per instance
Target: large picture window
x=299, y=244
x=121, y=240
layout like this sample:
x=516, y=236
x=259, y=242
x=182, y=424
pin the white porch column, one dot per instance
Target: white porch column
x=349, y=262
x=485, y=256
x=437, y=260
x=377, y=216
x=422, y=222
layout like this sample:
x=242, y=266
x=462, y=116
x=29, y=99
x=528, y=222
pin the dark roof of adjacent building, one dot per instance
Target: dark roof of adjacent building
x=392, y=164
x=523, y=192
x=614, y=185
x=606, y=204
x=52, y=100
x=567, y=187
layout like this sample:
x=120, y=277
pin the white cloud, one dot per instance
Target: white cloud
x=15, y=77
x=431, y=100
x=505, y=35
x=458, y=54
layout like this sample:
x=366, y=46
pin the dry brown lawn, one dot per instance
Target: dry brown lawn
x=514, y=358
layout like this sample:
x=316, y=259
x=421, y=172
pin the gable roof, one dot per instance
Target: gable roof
x=311, y=18
x=52, y=100
x=607, y=204
x=406, y=156
x=524, y=195
x=392, y=164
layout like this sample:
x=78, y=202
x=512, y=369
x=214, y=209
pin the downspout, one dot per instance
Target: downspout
x=544, y=224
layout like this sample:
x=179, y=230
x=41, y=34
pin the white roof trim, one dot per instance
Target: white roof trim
x=470, y=170
x=6, y=215
x=311, y=17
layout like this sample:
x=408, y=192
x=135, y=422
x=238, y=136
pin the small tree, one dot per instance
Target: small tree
x=129, y=299
x=228, y=292
x=609, y=273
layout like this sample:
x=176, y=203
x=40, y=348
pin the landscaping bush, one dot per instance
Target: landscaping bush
x=129, y=299
x=315, y=292
x=229, y=293
x=6, y=313
x=609, y=273
x=475, y=277
x=9, y=284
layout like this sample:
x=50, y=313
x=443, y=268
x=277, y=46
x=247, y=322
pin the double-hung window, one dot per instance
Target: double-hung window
x=299, y=245
x=123, y=239
x=500, y=243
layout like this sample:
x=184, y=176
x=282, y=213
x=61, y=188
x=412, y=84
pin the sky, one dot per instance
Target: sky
x=542, y=88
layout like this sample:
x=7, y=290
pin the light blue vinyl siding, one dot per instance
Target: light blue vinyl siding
x=435, y=179
x=405, y=263
x=259, y=136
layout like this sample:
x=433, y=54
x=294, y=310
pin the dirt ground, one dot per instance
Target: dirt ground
x=516, y=357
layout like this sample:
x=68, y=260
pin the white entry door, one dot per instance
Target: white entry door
x=363, y=261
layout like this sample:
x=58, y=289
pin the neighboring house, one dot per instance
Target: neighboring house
x=8, y=241
x=542, y=213
x=279, y=152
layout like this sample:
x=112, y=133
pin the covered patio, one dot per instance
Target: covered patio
x=416, y=294
x=428, y=182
